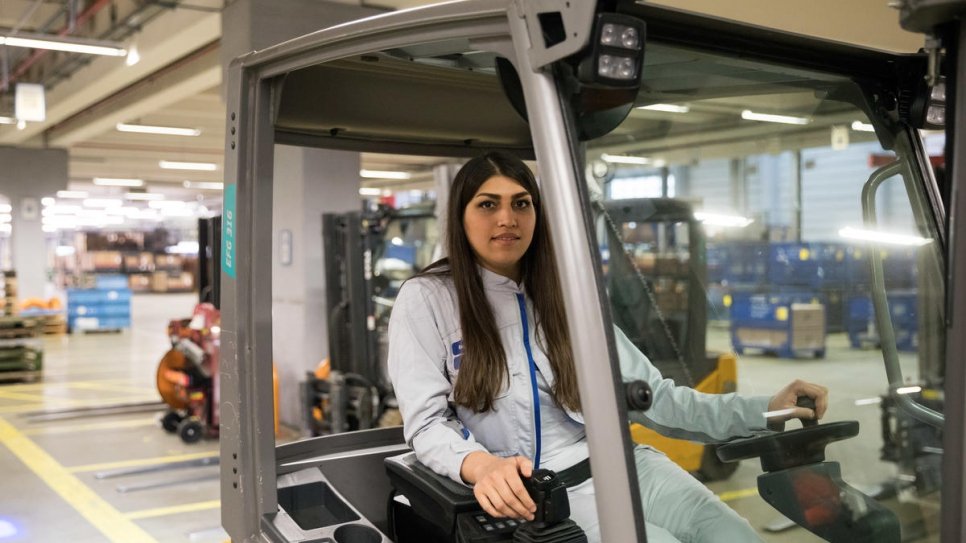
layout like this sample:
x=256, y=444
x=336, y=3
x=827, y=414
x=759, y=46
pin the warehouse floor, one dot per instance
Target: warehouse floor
x=56, y=474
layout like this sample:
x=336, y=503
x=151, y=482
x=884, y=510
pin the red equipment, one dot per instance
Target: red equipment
x=188, y=373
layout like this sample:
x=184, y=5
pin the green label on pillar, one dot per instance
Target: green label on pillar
x=228, y=231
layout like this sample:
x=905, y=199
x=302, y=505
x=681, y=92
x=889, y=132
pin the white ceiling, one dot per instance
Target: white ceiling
x=177, y=83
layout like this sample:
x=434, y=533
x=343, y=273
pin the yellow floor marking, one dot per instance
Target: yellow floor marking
x=98, y=401
x=99, y=513
x=142, y=462
x=23, y=396
x=94, y=426
x=174, y=510
x=108, y=386
x=738, y=494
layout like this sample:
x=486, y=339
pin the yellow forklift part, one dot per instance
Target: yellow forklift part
x=688, y=454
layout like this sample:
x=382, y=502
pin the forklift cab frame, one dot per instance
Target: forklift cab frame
x=279, y=95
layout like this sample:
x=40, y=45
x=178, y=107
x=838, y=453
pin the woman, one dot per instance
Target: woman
x=483, y=370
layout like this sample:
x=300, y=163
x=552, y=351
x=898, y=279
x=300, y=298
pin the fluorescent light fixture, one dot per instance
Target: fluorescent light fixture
x=6, y=228
x=118, y=182
x=71, y=194
x=749, y=115
x=70, y=45
x=369, y=191
x=64, y=250
x=6, y=208
x=164, y=130
x=102, y=202
x=48, y=201
x=379, y=174
x=60, y=209
x=199, y=166
x=860, y=126
x=133, y=56
x=908, y=390
x=143, y=196
x=5, y=217
x=166, y=204
x=878, y=236
x=204, y=185
x=667, y=108
x=619, y=159
x=7, y=120
x=717, y=219
x=868, y=401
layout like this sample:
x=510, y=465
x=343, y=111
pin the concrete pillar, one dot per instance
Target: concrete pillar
x=308, y=182
x=26, y=176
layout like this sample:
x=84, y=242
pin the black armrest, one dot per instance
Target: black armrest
x=433, y=497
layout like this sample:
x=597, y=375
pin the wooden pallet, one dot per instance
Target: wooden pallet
x=16, y=327
x=31, y=376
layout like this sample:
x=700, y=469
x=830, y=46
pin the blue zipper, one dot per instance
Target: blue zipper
x=533, y=376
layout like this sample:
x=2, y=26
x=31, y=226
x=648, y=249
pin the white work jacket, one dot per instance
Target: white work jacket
x=425, y=348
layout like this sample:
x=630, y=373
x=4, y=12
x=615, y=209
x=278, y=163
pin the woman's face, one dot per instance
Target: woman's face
x=499, y=222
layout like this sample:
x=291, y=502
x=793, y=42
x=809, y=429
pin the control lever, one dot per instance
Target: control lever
x=809, y=403
x=551, y=522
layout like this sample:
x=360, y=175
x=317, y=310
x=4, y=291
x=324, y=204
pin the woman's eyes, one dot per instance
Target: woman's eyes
x=519, y=204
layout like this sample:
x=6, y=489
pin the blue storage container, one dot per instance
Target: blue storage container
x=110, y=281
x=99, y=308
x=773, y=323
x=903, y=312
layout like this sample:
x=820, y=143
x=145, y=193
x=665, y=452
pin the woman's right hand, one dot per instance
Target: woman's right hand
x=497, y=484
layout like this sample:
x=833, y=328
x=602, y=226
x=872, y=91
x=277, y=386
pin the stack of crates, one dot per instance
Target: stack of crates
x=786, y=324
x=21, y=353
x=8, y=294
x=105, y=307
x=903, y=305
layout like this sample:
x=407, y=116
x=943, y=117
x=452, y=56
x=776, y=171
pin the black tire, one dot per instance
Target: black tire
x=713, y=469
x=191, y=430
x=170, y=421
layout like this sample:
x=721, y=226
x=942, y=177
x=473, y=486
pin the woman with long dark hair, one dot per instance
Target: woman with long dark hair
x=483, y=370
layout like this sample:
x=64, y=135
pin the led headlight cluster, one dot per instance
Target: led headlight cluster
x=616, y=53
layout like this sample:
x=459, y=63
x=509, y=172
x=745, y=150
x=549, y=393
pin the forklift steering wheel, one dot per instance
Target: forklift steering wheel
x=783, y=450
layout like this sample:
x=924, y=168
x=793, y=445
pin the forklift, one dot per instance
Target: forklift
x=656, y=274
x=549, y=80
x=369, y=254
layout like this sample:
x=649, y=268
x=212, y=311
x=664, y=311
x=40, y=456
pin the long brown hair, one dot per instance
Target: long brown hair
x=483, y=369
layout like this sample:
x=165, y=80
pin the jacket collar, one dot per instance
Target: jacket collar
x=496, y=282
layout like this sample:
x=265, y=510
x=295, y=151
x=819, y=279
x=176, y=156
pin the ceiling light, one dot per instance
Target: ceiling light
x=6, y=208
x=6, y=228
x=909, y=390
x=165, y=130
x=118, y=182
x=133, y=57
x=143, y=196
x=204, y=185
x=667, y=108
x=71, y=194
x=7, y=120
x=70, y=45
x=200, y=166
x=717, y=219
x=882, y=237
x=48, y=201
x=102, y=202
x=378, y=174
x=159, y=204
x=5, y=217
x=618, y=159
x=860, y=126
x=369, y=191
x=749, y=115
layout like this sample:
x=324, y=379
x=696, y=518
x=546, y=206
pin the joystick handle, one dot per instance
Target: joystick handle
x=806, y=401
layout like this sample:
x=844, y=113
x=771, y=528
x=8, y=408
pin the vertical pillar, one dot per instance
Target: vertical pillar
x=443, y=175
x=27, y=176
x=308, y=182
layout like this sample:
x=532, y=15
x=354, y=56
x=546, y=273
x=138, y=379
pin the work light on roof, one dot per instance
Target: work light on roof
x=617, y=35
x=617, y=54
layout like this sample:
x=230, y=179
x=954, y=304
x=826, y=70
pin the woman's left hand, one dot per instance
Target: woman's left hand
x=787, y=397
